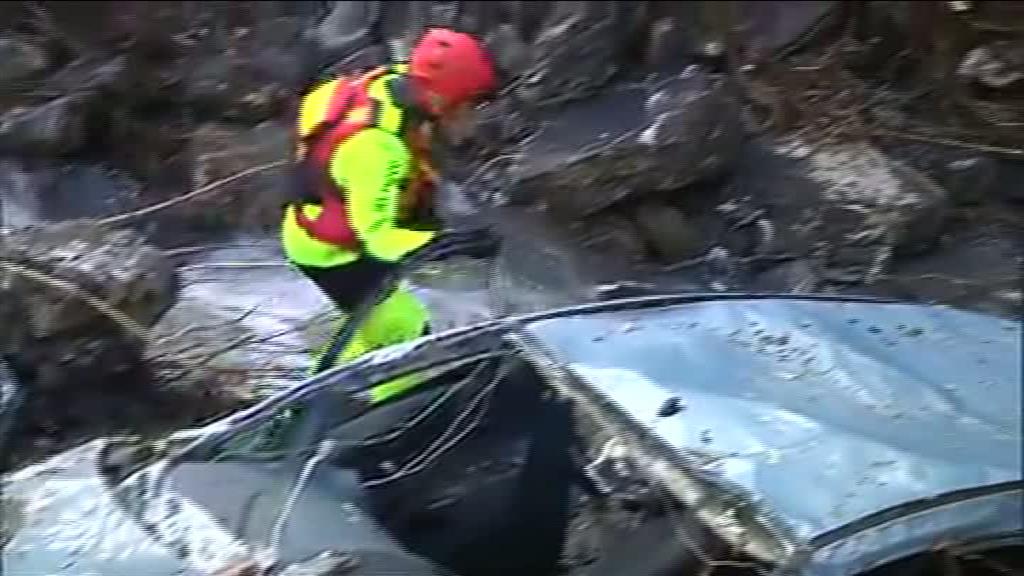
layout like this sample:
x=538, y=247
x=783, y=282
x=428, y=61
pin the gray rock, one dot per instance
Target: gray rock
x=53, y=128
x=219, y=150
x=65, y=340
x=627, y=143
x=579, y=47
x=11, y=395
x=157, y=28
x=667, y=231
x=848, y=204
x=78, y=190
x=968, y=177
x=998, y=65
x=560, y=51
x=402, y=23
x=969, y=180
x=362, y=59
x=19, y=194
x=609, y=233
x=796, y=276
x=248, y=75
x=511, y=53
x=89, y=74
x=771, y=27
x=346, y=29
x=20, y=59
x=1009, y=181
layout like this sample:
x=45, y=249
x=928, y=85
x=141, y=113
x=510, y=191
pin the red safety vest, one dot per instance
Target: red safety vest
x=332, y=225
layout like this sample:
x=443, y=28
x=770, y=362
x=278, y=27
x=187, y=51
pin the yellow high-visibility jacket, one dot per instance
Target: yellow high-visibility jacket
x=370, y=168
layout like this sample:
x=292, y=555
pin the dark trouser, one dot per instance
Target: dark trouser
x=350, y=284
x=397, y=316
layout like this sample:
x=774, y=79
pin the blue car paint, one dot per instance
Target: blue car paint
x=823, y=412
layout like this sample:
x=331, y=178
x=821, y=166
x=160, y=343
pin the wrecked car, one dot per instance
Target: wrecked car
x=642, y=436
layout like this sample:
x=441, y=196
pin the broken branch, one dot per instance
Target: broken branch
x=128, y=216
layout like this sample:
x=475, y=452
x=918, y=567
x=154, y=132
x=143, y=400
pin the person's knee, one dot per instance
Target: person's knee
x=398, y=318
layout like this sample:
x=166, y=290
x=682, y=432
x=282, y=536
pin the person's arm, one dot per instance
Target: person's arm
x=372, y=166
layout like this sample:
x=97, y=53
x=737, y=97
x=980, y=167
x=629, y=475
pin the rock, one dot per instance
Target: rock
x=627, y=143
x=20, y=192
x=968, y=180
x=220, y=150
x=667, y=231
x=157, y=28
x=20, y=58
x=96, y=75
x=84, y=373
x=998, y=65
x=10, y=401
x=32, y=193
x=579, y=47
x=248, y=75
x=772, y=27
x=511, y=53
x=346, y=29
x=362, y=59
x=666, y=45
x=848, y=204
x=978, y=268
x=868, y=199
x=968, y=177
x=1008, y=181
x=79, y=190
x=61, y=338
x=613, y=234
x=53, y=128
x=796, y=276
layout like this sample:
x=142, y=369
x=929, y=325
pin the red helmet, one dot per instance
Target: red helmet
x=452, y=67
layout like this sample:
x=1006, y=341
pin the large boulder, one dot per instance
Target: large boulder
x=51, y=279
x=20, y=58
x=969, y=177
x=580, y=45
x=52, y=128
x=45, y=191
x=77, y=302
x=19, y=194
x=346, y=29
x=246, y=74
x=998, y=65
x=628, y=143
x=849, y=205
x=220, y=150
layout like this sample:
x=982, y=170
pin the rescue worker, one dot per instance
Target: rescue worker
x=363, y=161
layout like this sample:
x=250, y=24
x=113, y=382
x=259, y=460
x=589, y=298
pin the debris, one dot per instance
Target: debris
x=671, y=407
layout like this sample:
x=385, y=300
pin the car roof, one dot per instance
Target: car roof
x=826, y=411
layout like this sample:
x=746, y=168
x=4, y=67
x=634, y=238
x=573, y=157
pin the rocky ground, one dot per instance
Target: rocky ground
x=712, y=146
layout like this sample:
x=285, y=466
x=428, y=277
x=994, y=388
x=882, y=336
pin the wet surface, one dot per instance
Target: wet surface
x=868, y=405
x=244, y=311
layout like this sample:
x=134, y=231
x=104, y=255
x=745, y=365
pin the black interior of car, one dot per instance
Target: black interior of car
x=478, y=472
x=469, y=476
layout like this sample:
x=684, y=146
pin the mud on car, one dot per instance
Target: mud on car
x=724, y=434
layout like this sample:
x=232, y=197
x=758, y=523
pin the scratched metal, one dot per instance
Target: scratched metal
x=823, y=412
